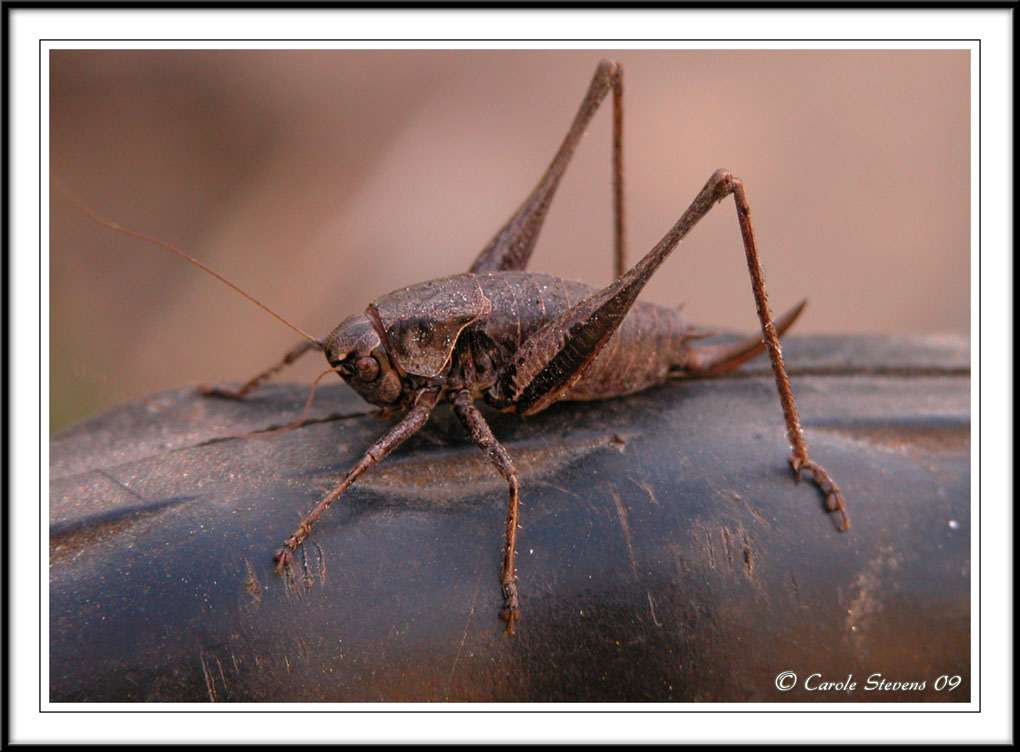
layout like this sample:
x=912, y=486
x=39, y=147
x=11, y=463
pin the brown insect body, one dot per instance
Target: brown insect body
x=522, y=341
x=464, y=331
x=493, y=315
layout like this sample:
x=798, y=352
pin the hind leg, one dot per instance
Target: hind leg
x=555, y=356
x=512, y=246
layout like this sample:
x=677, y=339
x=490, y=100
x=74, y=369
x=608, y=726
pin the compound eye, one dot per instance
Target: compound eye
x=367, y=369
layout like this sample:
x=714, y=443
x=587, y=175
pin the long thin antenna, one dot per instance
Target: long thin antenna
x=142, y=236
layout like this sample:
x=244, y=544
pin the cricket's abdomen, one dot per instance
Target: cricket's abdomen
x=649, y=344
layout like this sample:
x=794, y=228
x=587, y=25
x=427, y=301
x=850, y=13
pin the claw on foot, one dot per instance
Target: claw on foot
x=510, y=616
x=282, y=557
x=834, y=503
x=797, y=464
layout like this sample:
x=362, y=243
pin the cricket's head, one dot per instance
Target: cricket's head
x=356, y=351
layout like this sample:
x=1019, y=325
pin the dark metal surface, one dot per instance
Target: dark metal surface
x=665, y=555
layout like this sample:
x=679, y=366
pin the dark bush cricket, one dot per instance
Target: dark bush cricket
x=521, y=341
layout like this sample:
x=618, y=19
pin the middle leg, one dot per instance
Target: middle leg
x=481, y=434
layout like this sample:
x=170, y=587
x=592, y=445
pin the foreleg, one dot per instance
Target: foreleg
x=416, y=417
x=293, y=354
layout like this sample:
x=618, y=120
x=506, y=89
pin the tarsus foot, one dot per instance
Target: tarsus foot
x=511, y=612
x=834, y=501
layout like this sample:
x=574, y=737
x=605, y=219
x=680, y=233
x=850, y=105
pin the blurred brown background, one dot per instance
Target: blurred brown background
x=319, y=180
